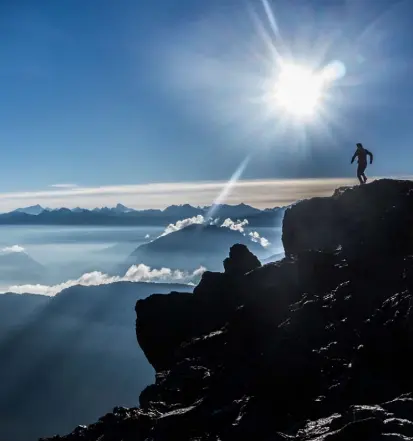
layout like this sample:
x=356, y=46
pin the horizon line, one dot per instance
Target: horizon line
x=258, y=193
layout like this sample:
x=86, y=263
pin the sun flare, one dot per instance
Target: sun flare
x=298, y=90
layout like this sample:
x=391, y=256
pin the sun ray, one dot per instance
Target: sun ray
x=228, y=187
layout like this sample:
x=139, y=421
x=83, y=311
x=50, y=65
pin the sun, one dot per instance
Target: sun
x=298, y=90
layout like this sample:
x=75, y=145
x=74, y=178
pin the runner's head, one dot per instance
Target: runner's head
x=359, y=145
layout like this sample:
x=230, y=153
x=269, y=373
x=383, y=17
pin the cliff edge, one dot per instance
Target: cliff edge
x=314, y=347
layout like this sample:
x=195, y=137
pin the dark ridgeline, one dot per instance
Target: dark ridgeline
x=121, y=215
x=314, y=347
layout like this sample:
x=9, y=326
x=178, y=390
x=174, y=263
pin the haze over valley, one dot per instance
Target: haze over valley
x=61, y=255
x=186, y=253
x=67, y=306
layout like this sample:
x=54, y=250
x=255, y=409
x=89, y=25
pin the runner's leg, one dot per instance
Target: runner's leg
x=360, y=173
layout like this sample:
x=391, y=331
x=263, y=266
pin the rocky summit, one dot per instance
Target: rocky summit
x=314, y=347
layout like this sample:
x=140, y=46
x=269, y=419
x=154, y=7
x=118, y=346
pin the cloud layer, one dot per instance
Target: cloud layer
x=64, y=185
x=171, y=228
x=238, y=225
x=13, y=249
x=199, y=220
x=255, y=237
x=136, y=273
x=235, y=226
x=259, y=193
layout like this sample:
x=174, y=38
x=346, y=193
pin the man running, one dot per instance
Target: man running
x=361, y=155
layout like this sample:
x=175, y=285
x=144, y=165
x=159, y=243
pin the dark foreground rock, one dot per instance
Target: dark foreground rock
x=365, y=219
x=314, y=347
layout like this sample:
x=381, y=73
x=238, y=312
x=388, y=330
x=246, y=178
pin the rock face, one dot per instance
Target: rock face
x=315, y=347
x=374, y=218
x=240, y=261
x=209, y=308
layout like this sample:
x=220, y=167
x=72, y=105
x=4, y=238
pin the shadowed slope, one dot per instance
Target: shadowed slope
x=66, y=359
x=314, y=347
x=190, y=248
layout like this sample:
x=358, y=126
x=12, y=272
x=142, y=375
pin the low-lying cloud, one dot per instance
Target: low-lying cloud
x=200, y=220
x=171, y=228
x=255, y=237
x=235, y=225
x=13, y=249
x=136, y=273
x=64, y=186
x=238, y=225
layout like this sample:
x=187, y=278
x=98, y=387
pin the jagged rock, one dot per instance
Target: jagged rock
x=365, y=423
x=373, y=218
x=211, y=284
x=303, y=349
x=240, y=261
x=163, y=323
x=184, y=316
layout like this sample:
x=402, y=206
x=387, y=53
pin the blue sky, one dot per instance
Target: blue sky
x=112, y=93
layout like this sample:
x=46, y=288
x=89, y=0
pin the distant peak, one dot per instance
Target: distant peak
x=33, y=210
x=122, y=208
x=185, y=209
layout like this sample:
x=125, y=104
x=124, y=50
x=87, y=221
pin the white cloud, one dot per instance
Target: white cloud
x=258, y=193
x=235, y=226
x=183, y=223
x=239, y=226
x=13, y=249
x=228, y=223
x=255, y=237
x=64, y=185
x=198, y=272
x=171, y=228
x=136, y=273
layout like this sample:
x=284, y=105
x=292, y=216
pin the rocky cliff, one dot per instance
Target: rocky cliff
x=314, y=347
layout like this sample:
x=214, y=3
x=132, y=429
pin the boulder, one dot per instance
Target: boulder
x=240, y=261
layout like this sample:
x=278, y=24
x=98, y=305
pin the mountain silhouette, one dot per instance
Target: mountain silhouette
x=119, y=209
x=232, y=211
x=19, y=267
x=191, y=247
x=315, y=347
x=33, y=210
x=182, y=211
x=121, y=215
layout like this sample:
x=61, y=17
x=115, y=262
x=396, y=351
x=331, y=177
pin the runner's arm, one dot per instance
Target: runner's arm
x=371, y=156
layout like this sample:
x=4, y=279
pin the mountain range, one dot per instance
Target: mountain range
x=315, y=347
x=190, y=248
x=122, y=215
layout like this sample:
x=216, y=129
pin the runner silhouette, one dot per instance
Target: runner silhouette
x=361, y=155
